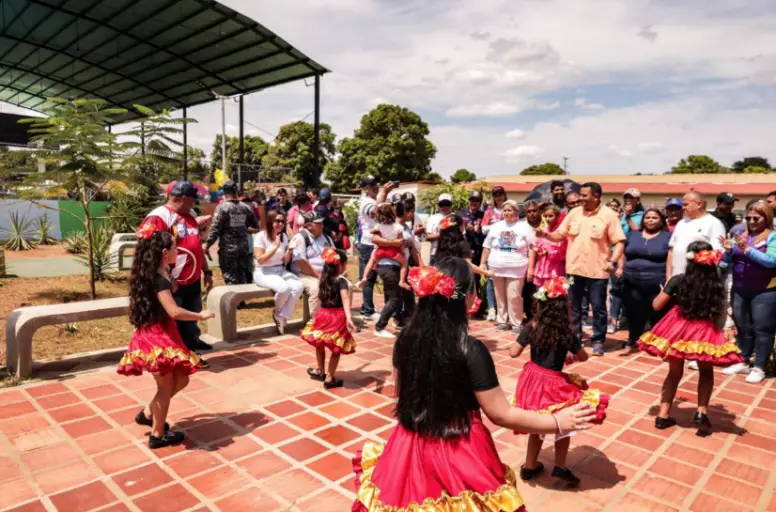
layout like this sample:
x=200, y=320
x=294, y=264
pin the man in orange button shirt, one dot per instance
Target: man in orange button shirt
x=596, y=242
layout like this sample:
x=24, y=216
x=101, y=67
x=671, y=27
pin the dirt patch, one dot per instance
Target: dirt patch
x=42, y=251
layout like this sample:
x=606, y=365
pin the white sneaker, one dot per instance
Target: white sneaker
x=374, y=316
x=738, y=368
x=756, y=376
x=384, y=334
x=491, y=315
x=693, y=365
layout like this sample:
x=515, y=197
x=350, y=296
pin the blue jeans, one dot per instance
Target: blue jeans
x=364, y=253
x=755, y=317
x=595, y=291
x=490, y=294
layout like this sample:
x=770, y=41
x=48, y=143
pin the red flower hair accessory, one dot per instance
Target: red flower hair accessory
x=146, y=231
x=330, y=256
x=554, y=288
x=427, y=281
x=447, y=222
x=708, y=257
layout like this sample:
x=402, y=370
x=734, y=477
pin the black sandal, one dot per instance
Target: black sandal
x=528, y=474
x=333, y=383
x=167, y=439
x=566, y=475
x=316, y=375
x=141, y=419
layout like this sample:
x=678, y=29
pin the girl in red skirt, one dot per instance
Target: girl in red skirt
x=156, y=347
x=542, y=385
x=441, y=456
x=332, y=326
x=691, y=330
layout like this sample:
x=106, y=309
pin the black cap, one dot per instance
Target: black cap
x=727, y=198
x=369, y=181
x=230, y=185
x=408, y=196
x=476, y=195
x=313, y=216
x=183, y=189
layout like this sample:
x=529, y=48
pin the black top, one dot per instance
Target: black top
x=336, y=301
x=672, y=286
x=161, y=283
x=482, y=371
x=728, y=220
x=330, y=222
x=551, y=358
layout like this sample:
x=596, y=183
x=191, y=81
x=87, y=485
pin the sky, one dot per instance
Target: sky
x=616, y=86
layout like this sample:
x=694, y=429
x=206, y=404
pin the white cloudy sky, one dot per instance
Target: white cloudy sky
x=617, y=86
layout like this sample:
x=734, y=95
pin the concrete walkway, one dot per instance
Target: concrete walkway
x=44, y=267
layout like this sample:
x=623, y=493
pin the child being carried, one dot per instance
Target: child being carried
x=388, y=229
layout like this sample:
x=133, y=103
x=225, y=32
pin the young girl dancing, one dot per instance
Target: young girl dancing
x=441, y=456
x=691, y=330
x=389, y=229
x=156, y=346
x=542, y=385
x=332, y=326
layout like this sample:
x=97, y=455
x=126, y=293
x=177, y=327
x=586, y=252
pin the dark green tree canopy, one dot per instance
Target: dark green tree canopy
x=548, y=168
x=291, y=154
x=391, y=143
x=463, y=176
x=697, y=164
x=255, y=149
x=750, y=161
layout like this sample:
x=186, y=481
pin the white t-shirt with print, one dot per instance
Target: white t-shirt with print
x=432, y=228
x=508, y=244
x=366, y=207
x=260, y=240
x=390, y=231
x=703, y=229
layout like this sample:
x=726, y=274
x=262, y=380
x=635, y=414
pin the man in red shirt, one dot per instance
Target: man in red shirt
x=674, y=213
x=176, y=217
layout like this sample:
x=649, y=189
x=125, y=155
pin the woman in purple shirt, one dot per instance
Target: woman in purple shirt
x=753, y=257
x=643, y=269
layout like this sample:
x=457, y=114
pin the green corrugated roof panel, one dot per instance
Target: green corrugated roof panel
x=157, y=53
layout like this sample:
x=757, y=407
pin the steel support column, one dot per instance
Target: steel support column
x=185, y=147
x=242, y=144
x=317, y=132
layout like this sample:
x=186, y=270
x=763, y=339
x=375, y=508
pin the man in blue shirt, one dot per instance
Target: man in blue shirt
x=632, y=211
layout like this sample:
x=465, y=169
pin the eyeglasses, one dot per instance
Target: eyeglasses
x=753, y=219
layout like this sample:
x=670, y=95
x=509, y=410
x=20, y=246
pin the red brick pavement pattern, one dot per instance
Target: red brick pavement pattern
x=261, y=436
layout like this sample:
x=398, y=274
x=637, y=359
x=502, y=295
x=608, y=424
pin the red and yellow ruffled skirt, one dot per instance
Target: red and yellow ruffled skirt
x=675, y=337
x=158, y=348
x=548, y=391
x=416, y=473
x=329, y=329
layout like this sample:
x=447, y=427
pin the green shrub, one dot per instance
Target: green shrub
x=20, y=233
x=75, y=242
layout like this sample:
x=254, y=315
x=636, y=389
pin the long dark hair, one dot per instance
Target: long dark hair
x=451, y=240
x=269, y=220
x=552, y=325
x=701, y=294
x=430, y=356
x=663, y=222
x=144, y=306
x=328, y=289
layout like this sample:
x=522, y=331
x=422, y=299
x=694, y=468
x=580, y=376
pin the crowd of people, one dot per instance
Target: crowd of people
x=673, y=274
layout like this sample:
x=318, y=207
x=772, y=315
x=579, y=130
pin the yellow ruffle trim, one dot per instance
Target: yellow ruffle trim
x=346, y=343
x=689, y=347
x=504, y=499
x=591, y=397
x=150, y=359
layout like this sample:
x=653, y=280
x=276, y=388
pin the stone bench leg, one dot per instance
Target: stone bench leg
x=224, y=325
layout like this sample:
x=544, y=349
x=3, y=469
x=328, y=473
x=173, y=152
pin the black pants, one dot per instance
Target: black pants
x=528, y=300
x=395, y=295
x=189, y=297
x=637, y=298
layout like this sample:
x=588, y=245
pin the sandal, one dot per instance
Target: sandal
x=316, y=375
x=167, y=439
x=141, y=419
x=333, y=383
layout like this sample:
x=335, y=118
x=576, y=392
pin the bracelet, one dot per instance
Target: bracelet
x=559, y=431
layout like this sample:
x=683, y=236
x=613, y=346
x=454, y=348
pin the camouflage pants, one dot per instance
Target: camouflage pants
x=235, y=267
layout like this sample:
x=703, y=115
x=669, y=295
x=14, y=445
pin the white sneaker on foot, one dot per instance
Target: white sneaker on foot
x=374, y=316
x=756, y=376
x=384, y=334
x=736, y=369
x=491, y=315
x=693, y=365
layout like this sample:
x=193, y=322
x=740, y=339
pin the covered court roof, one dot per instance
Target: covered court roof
x=157, y=53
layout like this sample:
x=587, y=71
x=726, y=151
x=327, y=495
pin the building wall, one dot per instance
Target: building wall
x=62, y=222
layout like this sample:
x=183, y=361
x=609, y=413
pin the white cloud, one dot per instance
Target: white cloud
x=523, y=153
x=517, y=133
x=487, y=110
x=586, y=105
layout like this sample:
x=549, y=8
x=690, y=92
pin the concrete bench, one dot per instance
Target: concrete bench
x=116, y=253
x=223, y=301
x=22, y=324
x=123, y=237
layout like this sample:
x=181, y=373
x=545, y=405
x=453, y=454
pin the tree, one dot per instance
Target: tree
x=750, y=161
x=255, y=149
x=292, y=151
x=391, y=143
x=435, y=176
x=753, y=169
x=429, y=196
x=80, y=155
x=697, y=164
x=463, y=176
x=543, y=169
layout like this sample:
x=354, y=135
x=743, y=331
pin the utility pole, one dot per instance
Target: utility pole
x=223, y=133
x=565, y=165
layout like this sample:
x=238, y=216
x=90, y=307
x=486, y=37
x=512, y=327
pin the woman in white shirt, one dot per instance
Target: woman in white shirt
x=273, y=252
x=505, y=256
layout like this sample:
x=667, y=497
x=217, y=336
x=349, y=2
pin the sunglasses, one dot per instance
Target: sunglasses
x=753, y=219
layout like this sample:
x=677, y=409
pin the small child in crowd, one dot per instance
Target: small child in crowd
x=156, y=346
x=692, y=331
x=542, y=385
x=389, y=229
x=332, y=326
